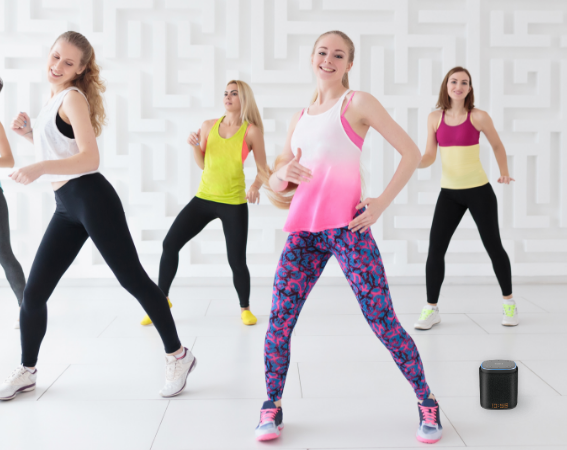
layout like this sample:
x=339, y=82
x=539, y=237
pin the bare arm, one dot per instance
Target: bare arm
x=430, y=154
x=255, y=142
x=76, y=111
x=198, y=140
x=6, y=157
x=368, y=111
x=483, y=122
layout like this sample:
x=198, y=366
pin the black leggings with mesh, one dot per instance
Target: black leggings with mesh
x=451, y=206
x=11, y=266
x=88, y=206
x=190, y=222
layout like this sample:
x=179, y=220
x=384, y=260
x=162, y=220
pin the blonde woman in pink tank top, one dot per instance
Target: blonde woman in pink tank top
x=320, y=163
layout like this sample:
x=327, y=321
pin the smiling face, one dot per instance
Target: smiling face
x=63, y=63
x=231, y=98
x=330, y=59
x=458, y=86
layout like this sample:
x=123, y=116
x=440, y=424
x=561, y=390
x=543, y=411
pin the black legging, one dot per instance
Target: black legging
x=451, y=206
x=189, y=223
x=11, y=266
x=88, y=207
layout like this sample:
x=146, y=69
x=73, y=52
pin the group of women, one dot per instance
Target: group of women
x=317, y=176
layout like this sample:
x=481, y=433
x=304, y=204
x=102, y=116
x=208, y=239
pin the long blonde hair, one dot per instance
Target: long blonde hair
x=283, y=198
x=249, y=111
x=88, y=81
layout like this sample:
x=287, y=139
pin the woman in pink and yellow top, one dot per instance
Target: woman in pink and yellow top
x=220, y=148
x=456, y=126
x=321, y=162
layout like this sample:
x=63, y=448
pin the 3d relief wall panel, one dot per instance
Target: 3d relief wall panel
x=166, y=63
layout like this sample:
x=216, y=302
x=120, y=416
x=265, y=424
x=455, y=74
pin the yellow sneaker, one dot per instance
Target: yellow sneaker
x=248, y=318
x=147, y=321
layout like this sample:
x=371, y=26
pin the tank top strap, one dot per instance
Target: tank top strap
x=348, y=103
x=66, y=91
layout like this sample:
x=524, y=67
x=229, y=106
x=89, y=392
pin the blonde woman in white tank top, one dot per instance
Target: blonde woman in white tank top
x=67, y=155
x=321, y=161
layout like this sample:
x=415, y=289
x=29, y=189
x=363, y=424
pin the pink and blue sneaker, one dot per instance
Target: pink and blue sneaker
x=271, y=422
x=430, y=430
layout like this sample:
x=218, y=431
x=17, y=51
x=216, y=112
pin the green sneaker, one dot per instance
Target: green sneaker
x=429, y=317
x=510, y=315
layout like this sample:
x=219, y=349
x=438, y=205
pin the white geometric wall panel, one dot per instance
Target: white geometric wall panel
x=166, y=63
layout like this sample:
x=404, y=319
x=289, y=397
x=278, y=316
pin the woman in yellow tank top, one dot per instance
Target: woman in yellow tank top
x=220, y=148
x=456, y=126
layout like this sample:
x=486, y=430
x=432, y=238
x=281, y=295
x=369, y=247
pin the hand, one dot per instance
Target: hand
x=194, y=139
x=375, y=208
x=21, y=124
x=294, y=172
x=253, y=195
x=505, y=180
x=28, y=174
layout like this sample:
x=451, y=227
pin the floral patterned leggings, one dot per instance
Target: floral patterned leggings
x=302, y=261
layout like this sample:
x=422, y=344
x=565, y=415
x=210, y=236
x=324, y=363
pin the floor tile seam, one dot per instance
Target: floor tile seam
x=299, y=375
x=532, y=371
x=454, y=427
x=532, y=303
x=54, y=381
x=159, y=426
x=106, y=328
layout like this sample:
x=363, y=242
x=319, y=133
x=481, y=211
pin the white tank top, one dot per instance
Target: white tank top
x=49, y=142
x=329, y=200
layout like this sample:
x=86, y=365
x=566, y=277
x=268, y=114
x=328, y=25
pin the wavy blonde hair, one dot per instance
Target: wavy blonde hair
x=249, y=111
x=283, y=198
x=88, y=81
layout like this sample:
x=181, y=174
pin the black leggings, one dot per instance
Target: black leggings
x=88, y=207
x=451, y=206
x=11, y=266
x=190, y=222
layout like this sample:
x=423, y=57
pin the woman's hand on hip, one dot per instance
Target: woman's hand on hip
x=374, y=209
x=28, y=174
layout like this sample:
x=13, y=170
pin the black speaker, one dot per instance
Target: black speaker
x=498, y=384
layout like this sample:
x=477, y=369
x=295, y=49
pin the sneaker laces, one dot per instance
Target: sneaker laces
x=429, y=415
x=268, y=415
x=425, y=313
x=509, y=310
x=173, y=370
x=16, y=373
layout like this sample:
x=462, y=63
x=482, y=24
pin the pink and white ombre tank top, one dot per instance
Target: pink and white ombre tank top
x=331, y=150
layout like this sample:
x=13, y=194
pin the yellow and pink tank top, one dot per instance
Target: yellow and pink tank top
x=331, y=149
x=460, y=155
x=223, y=180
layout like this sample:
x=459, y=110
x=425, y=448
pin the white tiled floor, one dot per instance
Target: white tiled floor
x=100, y=373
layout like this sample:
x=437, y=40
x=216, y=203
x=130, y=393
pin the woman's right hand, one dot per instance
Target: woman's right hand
x=294, y=172
x=21, y=124
x=194, y=138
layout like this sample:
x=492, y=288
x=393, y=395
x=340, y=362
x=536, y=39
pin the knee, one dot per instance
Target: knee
x=170, y=245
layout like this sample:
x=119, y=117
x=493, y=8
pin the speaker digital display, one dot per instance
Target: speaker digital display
x=498, y=384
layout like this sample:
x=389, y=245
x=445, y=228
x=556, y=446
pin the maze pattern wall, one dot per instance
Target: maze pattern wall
x=166, y=63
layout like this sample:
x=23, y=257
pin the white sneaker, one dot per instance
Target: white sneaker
x=429, y=317
x=510, y=315
x=176, y=373
x=21, y=380
x=17, y=325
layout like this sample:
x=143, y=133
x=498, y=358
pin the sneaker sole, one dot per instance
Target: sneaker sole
x=191, y=369
x=29, y=388
x=270, y=436
x=420, y=327
x=426, y=441
x=510, y=324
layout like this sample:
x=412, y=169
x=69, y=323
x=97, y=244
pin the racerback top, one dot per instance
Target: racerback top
x=329, y=200
x=49, y=142
x=223, y=179
x=460, y=155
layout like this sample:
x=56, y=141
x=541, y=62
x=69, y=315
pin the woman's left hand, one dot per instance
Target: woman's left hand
x=374, y=209
x=28, y=174
x=505, y=180
x=253, y=195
